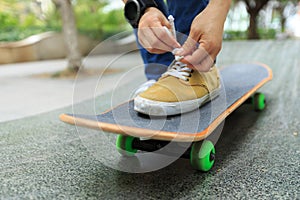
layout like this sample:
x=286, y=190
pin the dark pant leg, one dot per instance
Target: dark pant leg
x=184, y=13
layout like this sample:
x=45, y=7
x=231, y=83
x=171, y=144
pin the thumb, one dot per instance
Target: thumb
x=165, y=22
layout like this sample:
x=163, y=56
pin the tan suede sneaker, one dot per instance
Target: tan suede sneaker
x=179, y=90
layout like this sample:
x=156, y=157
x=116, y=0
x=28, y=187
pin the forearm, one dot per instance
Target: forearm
x=219, y=9
x=225, y=4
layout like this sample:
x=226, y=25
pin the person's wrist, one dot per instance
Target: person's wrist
x=218, y=9
x=150, y=9
x=135, y=9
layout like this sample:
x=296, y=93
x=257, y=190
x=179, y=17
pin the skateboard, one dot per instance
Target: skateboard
x=137, y=132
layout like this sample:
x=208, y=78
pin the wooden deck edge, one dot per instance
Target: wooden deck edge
x=164, y=135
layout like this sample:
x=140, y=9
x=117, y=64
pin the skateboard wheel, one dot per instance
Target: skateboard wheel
x=202, y=155
x=124, y=145
x=259, y=101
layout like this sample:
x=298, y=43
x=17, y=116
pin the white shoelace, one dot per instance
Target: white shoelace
x=179, y=70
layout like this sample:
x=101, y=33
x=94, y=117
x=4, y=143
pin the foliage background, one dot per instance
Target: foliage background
x=20, y=19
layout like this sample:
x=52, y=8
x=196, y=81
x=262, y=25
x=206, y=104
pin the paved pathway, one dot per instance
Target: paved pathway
x=258, y=153
x=23, y=93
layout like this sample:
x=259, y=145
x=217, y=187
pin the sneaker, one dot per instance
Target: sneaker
x=143, y=87
x=179, y=90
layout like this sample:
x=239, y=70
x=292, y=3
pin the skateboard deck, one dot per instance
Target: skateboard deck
x=238, y=83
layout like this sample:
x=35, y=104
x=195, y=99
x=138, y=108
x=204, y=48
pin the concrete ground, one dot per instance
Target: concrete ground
x=25, y=92
x=257, y=154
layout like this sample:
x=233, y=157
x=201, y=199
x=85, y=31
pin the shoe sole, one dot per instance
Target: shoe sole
x=156, y=108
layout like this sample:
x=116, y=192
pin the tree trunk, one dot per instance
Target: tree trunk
x=282, y=17
x=253, y=8
x=252, y=30
x=283, y=21
x=70, y=33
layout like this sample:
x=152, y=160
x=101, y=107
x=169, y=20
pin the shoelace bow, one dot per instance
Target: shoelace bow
x=179, y=70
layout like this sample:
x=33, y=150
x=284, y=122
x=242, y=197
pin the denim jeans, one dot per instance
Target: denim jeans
x=184, y=12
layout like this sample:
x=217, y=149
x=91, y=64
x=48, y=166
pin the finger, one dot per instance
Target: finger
x=141, y=37
x=150, y=42
x=199, y=60
x=195, y=57
x=189, y=46
x=165, y=36
x=205, y=65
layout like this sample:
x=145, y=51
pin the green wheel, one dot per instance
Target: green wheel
x=202, y=155
x=124, y=145
x=259, y=101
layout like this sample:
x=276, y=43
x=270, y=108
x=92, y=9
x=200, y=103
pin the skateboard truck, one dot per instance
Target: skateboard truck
x=201, y=153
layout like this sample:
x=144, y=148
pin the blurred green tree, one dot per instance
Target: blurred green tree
x=98, y=22
x=281, y=7
x=94, y=18
x=253, y=8
x=7, y=17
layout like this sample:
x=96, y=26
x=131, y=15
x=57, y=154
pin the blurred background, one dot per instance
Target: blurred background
x=31, y=29
x=97, y=19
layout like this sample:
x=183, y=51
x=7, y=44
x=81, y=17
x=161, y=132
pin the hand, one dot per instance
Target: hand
x=205, y=39
x=152, y=33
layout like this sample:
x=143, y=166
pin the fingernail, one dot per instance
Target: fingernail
x=177, y=51
x=178, y=58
